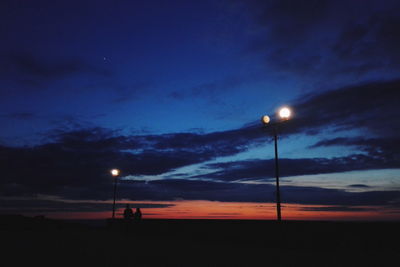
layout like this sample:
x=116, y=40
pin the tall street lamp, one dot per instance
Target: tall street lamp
x=284, y=114
x=114, y=173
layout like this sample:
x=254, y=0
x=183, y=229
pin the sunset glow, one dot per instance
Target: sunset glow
x=239, y=211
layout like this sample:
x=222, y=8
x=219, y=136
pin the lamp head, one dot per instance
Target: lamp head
x=114, y=172
x=285, y=113
x=265, y=119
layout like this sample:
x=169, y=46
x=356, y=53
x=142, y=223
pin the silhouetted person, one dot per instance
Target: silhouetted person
x=138, y=214
x=128, y=213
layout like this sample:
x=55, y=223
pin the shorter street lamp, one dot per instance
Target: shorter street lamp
x=114, y=173
x=284, y=114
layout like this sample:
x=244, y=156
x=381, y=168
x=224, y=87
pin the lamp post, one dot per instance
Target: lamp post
x=284, y=115
x=114, y=173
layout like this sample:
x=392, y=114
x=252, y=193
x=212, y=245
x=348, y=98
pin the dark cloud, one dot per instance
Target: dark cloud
x=315, y=195
x=368, y=107
x=218, y=143
x=289, y=20
x=42, y=205
x=93, y=139
x=38, y=205
x=188, y=147
x=77, y=162
x=288, y=27
x=383, y=149
x=172, y=189
x=374, y=43
x=326, y=38
x=336, y=208
x=262, y=169
x=27, y=64
x=27, y=71
x=33, y=66
x=19, y=115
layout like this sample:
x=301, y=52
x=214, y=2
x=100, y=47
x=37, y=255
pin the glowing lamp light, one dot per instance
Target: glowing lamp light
x=284, y=113
x=265, y=119
x=114, y=172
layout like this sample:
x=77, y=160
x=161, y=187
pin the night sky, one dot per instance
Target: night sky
x=172, y=92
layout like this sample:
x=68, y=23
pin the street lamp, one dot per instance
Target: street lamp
x=114, y=173
x=284, y=114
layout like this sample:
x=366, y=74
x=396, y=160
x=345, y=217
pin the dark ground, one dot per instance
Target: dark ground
x=44, y=242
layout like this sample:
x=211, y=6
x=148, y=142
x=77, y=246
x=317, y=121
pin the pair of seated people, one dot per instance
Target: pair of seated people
x=128, y=213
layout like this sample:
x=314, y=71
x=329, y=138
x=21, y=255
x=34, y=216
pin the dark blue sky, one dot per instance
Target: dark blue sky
x=171, y=92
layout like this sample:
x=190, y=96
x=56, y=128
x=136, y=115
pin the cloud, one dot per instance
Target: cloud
x=315, y=195
x=359, y=185
x=29, y=72
x=35, y=72
x=19, y=115
x=385, y=150
x=375, y=41
x=44, y=204
x=44, y=68
x=172, y=189
x=326, y=38
x=78, y=162
x=368, y=107
x=257, y=169
x=336, y=208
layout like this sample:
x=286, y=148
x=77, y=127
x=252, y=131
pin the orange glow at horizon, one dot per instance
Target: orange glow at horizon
x=202, y=209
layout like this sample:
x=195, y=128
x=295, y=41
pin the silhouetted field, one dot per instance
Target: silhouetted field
x=31, y=241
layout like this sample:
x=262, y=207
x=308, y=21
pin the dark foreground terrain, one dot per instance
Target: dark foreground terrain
x=44, y=242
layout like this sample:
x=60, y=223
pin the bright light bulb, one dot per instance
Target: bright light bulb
x=265, y=119
x=284, y=113
x=114, y=172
